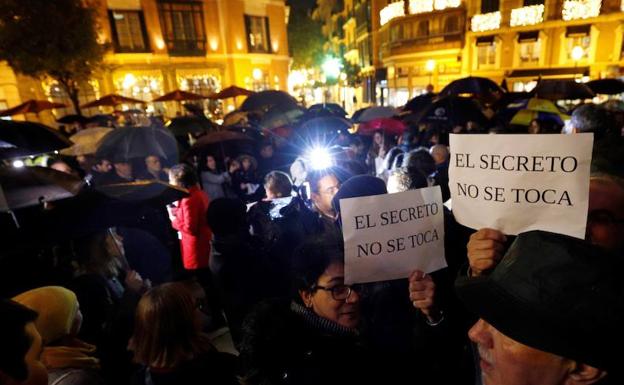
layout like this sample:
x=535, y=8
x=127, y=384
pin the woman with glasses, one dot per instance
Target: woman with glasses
x=315, y=337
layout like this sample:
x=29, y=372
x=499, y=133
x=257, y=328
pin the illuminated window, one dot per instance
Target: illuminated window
x=423, y=28
x=128, y=29
x=529, y=47
x=182, y=23
x=578, y=36
x=257, y=33
x=451, y=24
x=488, y=6
x=486, y=51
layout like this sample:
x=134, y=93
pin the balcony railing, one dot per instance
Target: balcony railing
x=532, y=14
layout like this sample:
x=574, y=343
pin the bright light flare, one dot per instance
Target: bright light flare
x=18, y=163
x=319, y=158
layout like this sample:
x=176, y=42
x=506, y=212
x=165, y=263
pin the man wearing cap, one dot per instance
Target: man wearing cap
x=551, y=313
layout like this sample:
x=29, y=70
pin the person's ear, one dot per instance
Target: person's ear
x=306, y=297
x=584, y=374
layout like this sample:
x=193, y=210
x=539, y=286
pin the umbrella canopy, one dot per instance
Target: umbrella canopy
x=373, y=113
x=150, y=191
x=387, y=125
x=178, y=96
x=471, y=85
x=103, y=120
x=231, y=92
x=452, y=111
x=554, y=89
x=31, y=186
x=184, y=125
x=326, y=109
x=535, y=104
x=420, y=102
x=278, y=116
x=525, y=117
x=356, y=114
x=606, y=86
x=123, y=144
x=220, y=137
x=86, y=141
x=73, y=118
x=331, y=124
x=262, y=101
x=614, y=105
x=112, y=100
x=236, y=118
x=19, y=139
x=32, y=105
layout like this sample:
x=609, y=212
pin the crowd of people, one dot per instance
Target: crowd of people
x=261, y=253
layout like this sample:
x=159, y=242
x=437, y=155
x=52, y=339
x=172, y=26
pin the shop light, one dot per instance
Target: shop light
x=486, y=22
x=580, y=9
x=529, y=15
x=391, y=11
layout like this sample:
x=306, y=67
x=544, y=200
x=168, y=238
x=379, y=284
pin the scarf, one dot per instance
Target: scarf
x=79, y=356
x=321, y=324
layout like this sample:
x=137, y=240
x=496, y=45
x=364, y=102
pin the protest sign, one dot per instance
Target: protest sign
x=517, y=183
x=389, y=236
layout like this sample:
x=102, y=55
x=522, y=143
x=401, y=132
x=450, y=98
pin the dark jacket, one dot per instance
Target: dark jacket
x=288, y=344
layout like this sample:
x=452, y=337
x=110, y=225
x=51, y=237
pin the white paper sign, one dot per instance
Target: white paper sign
x=389, y=236
x=517, y=183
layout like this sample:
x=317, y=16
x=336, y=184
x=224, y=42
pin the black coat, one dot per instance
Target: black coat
x=284, y=346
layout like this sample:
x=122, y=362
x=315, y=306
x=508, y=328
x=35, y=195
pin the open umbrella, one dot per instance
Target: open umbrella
x=31, y=186
x=150, y=191
x=452, y=111
x=183, y=125
x=326, y=109
x=178, y=96
x=606, y=86
x=262, y=101
x=419, y=102
x=231, y=92
x=525, y=117
x=31, y=106
x=112, y=100
x=236, y=118
x=102, y=120
x=278, y=116
x=20, y=139
x=219, y=137
x=356, y=115
x=555, y=89
x=73, y=118
x=471, y=85
x=86, y=141
x=613, y=105
x=123, y=144
x=387, y=125
x=373, y=113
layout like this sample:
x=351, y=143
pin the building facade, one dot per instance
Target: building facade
x=523, y=40
x=158, y=46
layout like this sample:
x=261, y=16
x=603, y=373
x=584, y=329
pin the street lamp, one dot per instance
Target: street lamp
x=430, y=66
x=331, y=69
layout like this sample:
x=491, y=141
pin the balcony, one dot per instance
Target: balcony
x=580, y=9
x=424, y=6
x=391, y=11
x=186, y=47
x=530, y=15
x=485, y=22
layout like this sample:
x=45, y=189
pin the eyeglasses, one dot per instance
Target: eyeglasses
x=340, y=292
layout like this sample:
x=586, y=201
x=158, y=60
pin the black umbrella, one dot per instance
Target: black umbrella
x=73, y=118
x=322, y=131
x=326, y=109
x=606, y=86
x=31, y=186
x=280, y=116
x=555, y=89
x=102, y=120
x=356, y=115
x=452, y=111
x=150, y=191
x=127, y=143
x=262, y=101
x=419, y=102
x=20, y=139
x=183, y=125
x=471, y=85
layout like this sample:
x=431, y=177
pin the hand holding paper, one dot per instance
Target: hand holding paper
x=485, y=250
x=422, y=293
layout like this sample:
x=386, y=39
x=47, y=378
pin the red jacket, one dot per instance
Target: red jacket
x=190, y=221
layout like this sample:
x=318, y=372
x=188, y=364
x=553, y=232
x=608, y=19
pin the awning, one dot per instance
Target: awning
x=578, y=30
x=526, y=37
x=548, y=72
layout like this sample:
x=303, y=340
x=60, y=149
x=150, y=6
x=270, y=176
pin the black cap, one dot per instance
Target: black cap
x=557, y=294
